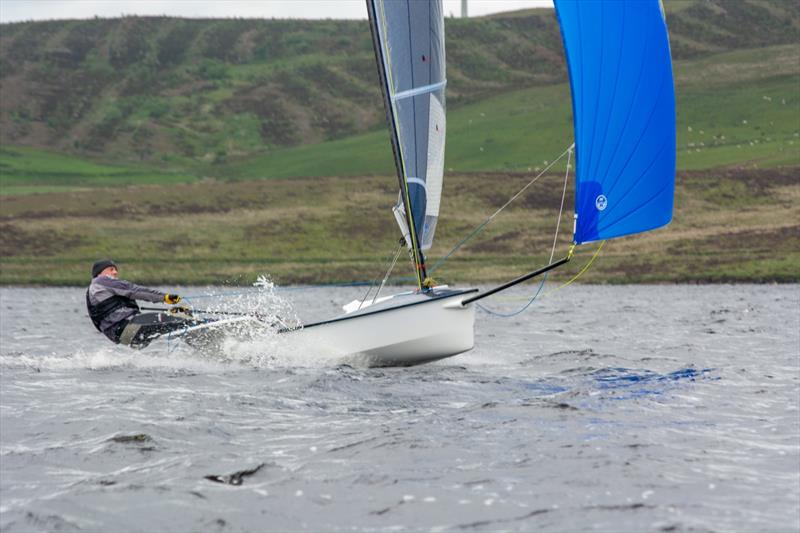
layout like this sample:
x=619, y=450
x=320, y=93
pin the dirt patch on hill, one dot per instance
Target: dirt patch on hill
x=755, y=181
x=17, y=242
x=503, y=243
x=771, y=240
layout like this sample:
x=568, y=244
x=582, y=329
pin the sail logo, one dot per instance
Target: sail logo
x=601, y=202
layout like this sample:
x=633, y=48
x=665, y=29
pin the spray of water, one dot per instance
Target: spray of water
x=250, y=331
x=109, y=357
x=253, y=318
x=260, y=329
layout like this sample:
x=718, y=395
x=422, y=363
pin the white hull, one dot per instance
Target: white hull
x=406, y=329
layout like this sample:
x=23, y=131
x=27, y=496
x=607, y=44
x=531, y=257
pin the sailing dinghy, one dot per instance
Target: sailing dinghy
x=623, y=102
x=431, y=322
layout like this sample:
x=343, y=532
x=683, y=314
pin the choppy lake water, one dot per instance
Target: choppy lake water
x=641, y=408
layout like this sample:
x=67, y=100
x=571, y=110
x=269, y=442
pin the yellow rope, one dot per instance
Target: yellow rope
x=584, y=269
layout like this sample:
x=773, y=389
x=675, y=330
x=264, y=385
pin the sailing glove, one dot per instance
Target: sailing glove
x=171, y=298
x=181, y=309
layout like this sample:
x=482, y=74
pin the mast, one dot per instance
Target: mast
x=418, y=257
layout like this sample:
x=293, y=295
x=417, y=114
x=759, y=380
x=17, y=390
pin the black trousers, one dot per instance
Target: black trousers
x=140, y=330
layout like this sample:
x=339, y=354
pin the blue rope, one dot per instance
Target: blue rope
x=518, y=311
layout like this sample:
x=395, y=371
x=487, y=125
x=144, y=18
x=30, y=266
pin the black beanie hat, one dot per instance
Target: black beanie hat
x=99, y=266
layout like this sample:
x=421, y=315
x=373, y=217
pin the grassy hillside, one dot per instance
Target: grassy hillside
x=752, y=121
x=214, y=151
x=177, y=91
x=752, y=118
x=26, y=170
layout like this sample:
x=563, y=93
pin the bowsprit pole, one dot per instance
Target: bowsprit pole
x=520, y=279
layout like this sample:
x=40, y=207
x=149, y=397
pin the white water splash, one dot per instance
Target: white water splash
x=111, y=357
x=253, y=343
x=261, y=343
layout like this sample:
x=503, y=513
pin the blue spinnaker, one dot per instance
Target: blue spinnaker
x=623, y=103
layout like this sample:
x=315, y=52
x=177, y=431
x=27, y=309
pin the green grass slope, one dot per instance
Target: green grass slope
x=25, y=170
x=733, y=108
x=178, y=91
x=753, y=121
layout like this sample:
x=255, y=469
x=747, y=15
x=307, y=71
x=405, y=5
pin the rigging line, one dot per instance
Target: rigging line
x=491, y=217
x=584, y=269
x=561, y=209
x=389, y=271
x=438, y=263
x=375, y=280
x=565, y=152
x=518, y=311
x=552, y=252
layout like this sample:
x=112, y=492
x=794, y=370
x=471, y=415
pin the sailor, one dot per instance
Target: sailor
x=114, y=312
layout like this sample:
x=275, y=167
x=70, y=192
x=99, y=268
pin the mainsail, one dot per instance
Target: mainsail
x=409, y=46
x=623, y=103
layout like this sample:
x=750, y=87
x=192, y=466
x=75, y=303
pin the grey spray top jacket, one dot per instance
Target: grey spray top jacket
x=104, y=287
